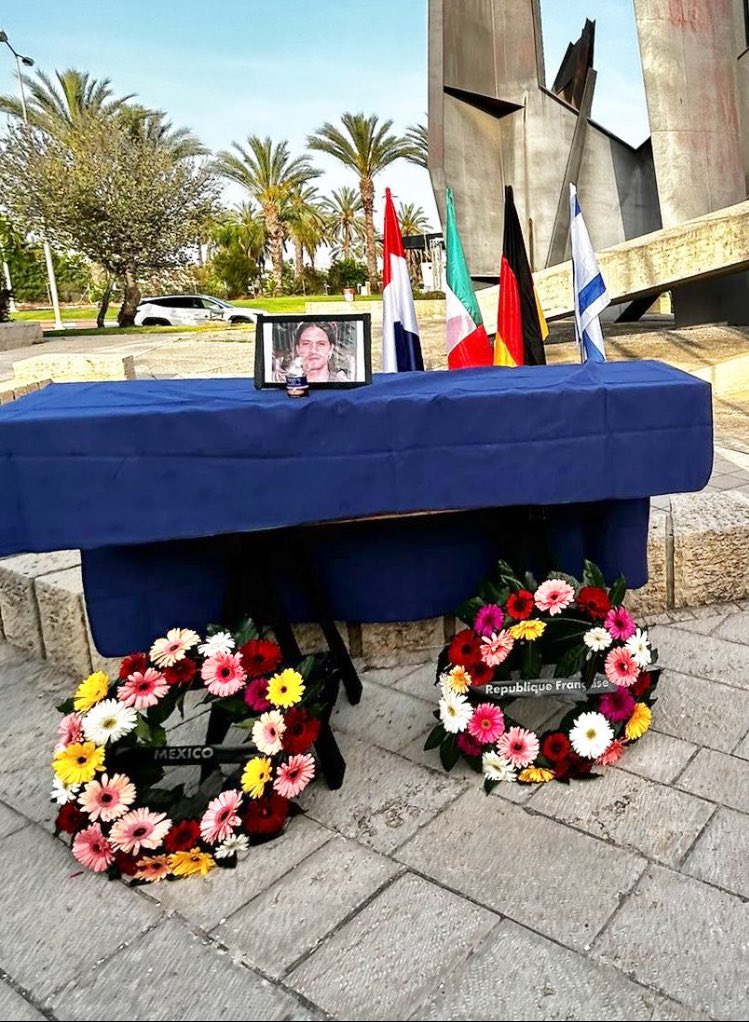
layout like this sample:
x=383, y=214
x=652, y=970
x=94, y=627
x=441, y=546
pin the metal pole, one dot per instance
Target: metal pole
x=8, y=284
x=45, y=243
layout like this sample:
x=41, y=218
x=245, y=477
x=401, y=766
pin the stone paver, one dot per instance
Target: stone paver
x=720, y=854
x=69, y=920
x=660, y=822
x=657, y=756
x=742, y=749
x=170, y=973
x=295, y=913
x=385, y=960
x=684, y=938
x=385, y=716
x=528, y=867
x=701, y=711
x=10, y=821
x=704, y=656
x=721, y=778
x=16, y=1008
x=735, y=628
x=519, y=974
x=384, y=798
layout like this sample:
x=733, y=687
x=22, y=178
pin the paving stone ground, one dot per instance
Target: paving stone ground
x=409, y=894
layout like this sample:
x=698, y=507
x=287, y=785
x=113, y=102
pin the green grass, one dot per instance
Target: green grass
x=242, y=332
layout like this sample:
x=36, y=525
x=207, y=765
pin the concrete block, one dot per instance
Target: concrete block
x=719, y=857
x=74, y=367
x=711, y=555
x=720, y=778
x=701, y=711
x=685, y=939
x=20, y=334
x=59, y=597
x=362, y=971
x=296, y=912
x=184, y=976
x=18, y=606
x=526, y=866
x=402, y=642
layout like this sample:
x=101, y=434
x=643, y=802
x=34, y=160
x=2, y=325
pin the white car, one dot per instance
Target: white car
x=191, y=310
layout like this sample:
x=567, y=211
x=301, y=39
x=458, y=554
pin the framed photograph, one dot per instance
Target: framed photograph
x=334, y=351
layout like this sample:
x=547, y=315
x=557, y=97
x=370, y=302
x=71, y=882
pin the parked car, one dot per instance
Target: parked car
x=191, y=310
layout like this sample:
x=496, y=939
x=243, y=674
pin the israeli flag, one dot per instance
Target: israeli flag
x=590, y=294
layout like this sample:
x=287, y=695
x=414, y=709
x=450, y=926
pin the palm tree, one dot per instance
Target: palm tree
x=343, y=209
x=151, y=127
x=418, y=136
x=237, y=245
x=412, y=219
x=305, y=224
x=60, y=108
x=270, y=175
x=366, y=147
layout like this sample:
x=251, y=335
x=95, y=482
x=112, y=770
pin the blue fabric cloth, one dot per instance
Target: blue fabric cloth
x=148, y=478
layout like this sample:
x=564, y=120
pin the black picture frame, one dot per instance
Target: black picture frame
x=350, y=361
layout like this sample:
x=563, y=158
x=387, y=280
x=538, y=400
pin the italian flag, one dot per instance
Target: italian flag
x=467, y=342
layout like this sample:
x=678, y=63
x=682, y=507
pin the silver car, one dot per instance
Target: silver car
x=191, y=310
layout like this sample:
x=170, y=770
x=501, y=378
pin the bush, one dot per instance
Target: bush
x=5, y=297
x=346, y=273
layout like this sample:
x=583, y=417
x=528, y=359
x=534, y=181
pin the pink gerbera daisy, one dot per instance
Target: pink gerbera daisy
x=554, y=596
x=519, y=746
x=221, y=817
x=143, y=690
x=612, y=754
x=294, y=776
x=70, y=730
x=467, y=745
x=495, y=648
x=619, y=624
x=140, y=828
x=487, y=723
x=621, y=668
x=108, y=797
x=489, y=619
x=223, y=674
x=166, y=652
x=92, y=849
x=617, y=705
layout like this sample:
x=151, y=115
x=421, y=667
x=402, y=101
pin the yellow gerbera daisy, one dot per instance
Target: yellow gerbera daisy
x=256, y=775
x=535, y=775
x=91, y=691
x=286, y=688
x=458, y=679
x=639, y=722
x=528, y=630
x=187, y=864
x=77, y=763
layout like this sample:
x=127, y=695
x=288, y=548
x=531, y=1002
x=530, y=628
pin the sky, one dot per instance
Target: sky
x=227, y=68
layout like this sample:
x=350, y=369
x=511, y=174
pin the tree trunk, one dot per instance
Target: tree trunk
x=367, y=197
x=311, y=256
x=346, y=244
x=274, y=229
x=130, y=301
x=104, y=303
x=298, y=257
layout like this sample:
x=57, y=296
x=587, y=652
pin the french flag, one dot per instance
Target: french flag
x=401, y=347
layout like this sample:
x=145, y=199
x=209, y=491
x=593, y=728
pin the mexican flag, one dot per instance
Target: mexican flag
x=467, y=343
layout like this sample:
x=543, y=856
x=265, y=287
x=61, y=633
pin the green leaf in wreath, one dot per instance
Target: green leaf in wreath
x=618, y=591
x=449, y=752
x=507, y=575
x=570, y=662
x=490, y=785
x=246, y=632
x=530, y=581
x=66, y=707
x=468, y=610
x=593, y=576
x=532, y=662
x=435, y=737
x=305, y=667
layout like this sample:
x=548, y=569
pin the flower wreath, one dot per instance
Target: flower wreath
x=119, y=820
x=521, y=631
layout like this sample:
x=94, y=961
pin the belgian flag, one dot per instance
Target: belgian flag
x=521, y=326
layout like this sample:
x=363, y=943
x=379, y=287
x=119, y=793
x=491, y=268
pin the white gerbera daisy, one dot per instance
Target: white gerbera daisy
x=221, y=642
x=597, y=639
x=591, y=735
x=497, y=768
x=232, y=845
x=62, y=792
x=455, y=712
x=639, y=646
x=109, y=721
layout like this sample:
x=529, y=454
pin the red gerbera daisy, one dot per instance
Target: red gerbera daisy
x=556, y=747
x=183, y=836
x=520, y=604
x=642, y=684
x=302, y=730
x=266, y=815
x=127, y=864
x=259, y=656
x=465, y=649
x=467, y=745
x=70, y=819
x=480, y=673
x=182, y=672
x=135, y=662
x=594, y=602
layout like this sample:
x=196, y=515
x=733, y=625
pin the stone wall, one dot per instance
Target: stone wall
x=19, y=334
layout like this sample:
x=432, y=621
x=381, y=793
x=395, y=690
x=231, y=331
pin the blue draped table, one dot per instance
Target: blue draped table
x=149, y=478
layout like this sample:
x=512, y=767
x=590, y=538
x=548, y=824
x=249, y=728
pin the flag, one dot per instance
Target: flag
x=467, y=343
x=521, y=326
x=589, y=290
x=401, y=348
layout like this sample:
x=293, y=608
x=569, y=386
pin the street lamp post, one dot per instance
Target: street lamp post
x=28, y=62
